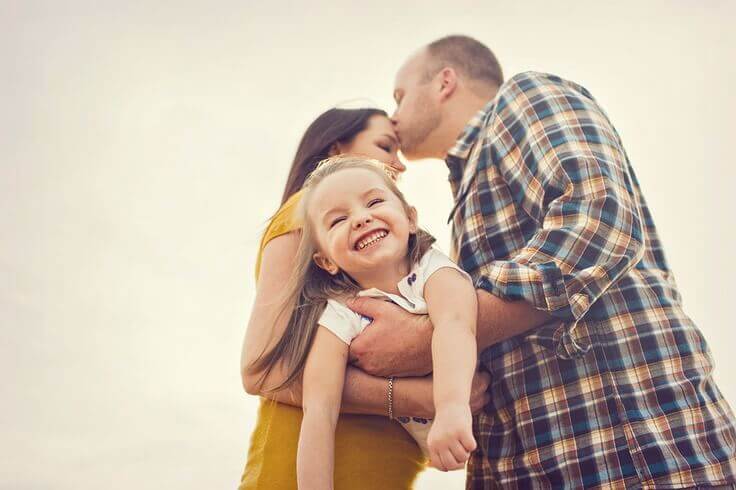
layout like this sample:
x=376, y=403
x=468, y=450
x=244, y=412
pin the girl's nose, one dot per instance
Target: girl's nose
x=362, y=220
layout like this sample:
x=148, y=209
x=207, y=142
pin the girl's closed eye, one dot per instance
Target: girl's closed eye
x=373, y=202
x=337, y=220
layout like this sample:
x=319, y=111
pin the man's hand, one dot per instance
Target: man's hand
x=396, y=343
x=479, y=395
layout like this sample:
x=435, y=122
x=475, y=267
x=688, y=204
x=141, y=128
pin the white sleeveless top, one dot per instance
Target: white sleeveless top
x=346, y=324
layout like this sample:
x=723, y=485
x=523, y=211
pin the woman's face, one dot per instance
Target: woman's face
x=378, y=141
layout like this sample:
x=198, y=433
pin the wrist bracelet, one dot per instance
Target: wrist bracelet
x=391, y=397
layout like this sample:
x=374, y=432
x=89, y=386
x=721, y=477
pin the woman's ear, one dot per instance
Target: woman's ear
x=412, y=215
x=325, y=263
x=335, y=149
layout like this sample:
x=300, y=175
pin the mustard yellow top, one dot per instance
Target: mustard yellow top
x=371, y=452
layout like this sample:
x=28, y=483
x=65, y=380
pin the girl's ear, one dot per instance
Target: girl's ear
x=412, y=214
x=325, y=263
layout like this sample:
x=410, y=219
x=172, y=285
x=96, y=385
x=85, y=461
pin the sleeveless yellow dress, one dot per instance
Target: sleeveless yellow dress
x=371, y=452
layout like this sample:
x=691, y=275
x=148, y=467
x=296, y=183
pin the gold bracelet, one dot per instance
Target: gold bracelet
x=391, y=397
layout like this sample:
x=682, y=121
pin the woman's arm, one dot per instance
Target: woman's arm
x=453, y=309
x=324, y=375
x=362, y=394
x=269, y=316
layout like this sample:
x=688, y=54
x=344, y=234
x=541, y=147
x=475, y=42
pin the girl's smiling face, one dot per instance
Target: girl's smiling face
x=360, y=225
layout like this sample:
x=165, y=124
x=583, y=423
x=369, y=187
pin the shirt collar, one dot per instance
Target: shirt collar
x=458, y=154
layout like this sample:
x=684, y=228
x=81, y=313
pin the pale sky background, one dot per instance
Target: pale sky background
x=143, y=147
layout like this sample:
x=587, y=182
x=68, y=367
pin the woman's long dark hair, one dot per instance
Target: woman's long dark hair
x=332, y=126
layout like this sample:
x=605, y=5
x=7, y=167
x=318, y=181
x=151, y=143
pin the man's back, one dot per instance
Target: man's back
x=549, y=211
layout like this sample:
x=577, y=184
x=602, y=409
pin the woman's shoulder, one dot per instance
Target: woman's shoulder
x=284, y=221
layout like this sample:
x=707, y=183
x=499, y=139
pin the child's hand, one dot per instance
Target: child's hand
x=451, y=438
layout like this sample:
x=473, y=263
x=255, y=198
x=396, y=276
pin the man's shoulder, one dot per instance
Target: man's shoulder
x=536, y=82
x=533, y=92
x=532, y=76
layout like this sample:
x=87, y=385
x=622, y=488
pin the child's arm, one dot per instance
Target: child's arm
x=453, y=309
x=362, y=394
x=324, y=375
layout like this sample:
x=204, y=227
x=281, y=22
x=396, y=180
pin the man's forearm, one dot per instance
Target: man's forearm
x=368, y=395
x=386, y=353
x=363, y=393
x=500, y=320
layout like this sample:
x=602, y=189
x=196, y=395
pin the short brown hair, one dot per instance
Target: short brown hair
x=466, y=55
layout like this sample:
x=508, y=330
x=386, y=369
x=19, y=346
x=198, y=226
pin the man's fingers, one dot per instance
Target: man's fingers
x=481, y=380
x=370, y=307
x=486, y=399
x=352, y=358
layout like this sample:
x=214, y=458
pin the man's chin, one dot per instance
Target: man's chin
x=414, y=153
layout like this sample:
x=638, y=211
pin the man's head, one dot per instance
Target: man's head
x=438, y=90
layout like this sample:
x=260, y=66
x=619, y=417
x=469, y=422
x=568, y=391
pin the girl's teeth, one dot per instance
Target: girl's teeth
x=373, y=240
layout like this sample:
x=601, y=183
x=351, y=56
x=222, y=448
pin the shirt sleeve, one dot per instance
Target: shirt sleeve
x=341, y=320
x=284, y=221
x=434, y=260
x=565, y=166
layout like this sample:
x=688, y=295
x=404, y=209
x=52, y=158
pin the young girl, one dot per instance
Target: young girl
x=359, y=236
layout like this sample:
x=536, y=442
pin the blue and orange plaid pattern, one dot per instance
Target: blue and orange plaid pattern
x=618, y=393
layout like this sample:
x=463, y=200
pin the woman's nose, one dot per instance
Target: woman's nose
x=397, y=165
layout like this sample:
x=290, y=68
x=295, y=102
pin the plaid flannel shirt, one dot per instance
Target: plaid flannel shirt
x=618, y=393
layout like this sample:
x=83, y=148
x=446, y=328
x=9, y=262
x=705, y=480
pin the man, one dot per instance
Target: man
x=598, y=378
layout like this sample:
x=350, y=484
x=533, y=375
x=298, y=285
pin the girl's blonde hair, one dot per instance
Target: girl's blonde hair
x=310, y=287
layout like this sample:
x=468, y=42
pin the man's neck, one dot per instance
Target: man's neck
x=459, y=114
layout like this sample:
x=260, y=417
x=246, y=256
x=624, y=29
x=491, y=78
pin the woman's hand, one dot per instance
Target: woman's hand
x=451, y=438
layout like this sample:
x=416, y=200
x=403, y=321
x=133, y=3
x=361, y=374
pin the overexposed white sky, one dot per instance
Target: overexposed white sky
x=144, y=145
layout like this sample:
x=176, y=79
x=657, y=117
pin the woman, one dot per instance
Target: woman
x=371, y=451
